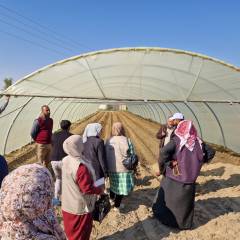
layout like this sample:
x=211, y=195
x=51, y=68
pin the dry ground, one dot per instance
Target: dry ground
x=217, y=208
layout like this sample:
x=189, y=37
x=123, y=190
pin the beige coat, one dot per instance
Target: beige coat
x=116, y=152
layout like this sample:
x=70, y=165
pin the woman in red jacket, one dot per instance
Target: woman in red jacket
x=78, y=191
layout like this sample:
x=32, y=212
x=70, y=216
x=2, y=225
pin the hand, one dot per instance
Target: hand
x=174, y=163
x=102, y=190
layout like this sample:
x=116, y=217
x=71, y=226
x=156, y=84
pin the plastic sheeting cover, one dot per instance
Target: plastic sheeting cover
x=165, y=80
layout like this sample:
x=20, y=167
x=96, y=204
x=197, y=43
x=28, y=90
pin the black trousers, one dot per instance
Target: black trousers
x=117, y=199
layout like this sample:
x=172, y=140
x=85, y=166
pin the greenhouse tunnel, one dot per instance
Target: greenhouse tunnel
x=152, y=82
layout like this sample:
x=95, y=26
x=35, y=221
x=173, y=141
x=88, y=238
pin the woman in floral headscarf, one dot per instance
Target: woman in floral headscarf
x=181, y=161
x=25, y=205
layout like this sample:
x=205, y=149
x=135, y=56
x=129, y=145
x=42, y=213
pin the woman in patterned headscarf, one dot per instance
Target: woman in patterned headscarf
x=25, y=205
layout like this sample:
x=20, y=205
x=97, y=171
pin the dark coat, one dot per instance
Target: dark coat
x=57, y=141
x=94, y=151
x=161, y=134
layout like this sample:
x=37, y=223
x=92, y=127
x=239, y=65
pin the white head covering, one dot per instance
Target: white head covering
x=73, y=146
x=91, y=130
x=177, y=116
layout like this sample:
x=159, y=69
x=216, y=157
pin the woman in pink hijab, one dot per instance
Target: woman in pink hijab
x=25, y=205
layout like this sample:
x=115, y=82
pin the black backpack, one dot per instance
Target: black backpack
x=208, y=152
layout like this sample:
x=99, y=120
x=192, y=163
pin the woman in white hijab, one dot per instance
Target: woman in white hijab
x=79, y=193
x=94, y=149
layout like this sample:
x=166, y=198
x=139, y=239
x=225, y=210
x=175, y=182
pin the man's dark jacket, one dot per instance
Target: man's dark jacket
x=161, y=134
x=57, y=141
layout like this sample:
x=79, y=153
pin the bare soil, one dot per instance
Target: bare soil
x=217, y=206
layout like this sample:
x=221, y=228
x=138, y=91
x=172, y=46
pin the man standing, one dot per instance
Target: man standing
x=165, y=133
x=42, y=134
x=57, y=155
x=166, y=130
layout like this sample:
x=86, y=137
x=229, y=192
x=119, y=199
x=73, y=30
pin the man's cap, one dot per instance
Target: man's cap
x=177, y=116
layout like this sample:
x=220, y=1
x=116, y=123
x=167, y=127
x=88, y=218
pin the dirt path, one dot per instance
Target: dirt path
x=217, y=207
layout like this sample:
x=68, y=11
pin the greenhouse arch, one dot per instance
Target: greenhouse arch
x=153, y=83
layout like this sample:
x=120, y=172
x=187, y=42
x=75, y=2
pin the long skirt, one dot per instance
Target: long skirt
x=174, y=204
x=77, y=227
x=121, y=183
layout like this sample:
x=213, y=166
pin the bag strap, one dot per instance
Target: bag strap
x=131, y=147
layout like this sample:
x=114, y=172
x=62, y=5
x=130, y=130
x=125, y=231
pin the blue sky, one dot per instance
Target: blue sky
x=210, y=27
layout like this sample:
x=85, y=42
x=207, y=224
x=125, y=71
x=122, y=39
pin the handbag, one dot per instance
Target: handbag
x=131, y=161
x=102, y=208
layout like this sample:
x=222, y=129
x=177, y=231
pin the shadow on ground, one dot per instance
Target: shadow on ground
x=149, y=228
x=217, y=184
x=218, y=172
x=209, y=209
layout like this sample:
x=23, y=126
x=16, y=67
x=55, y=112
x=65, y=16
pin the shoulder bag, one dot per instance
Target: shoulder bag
x=131, y=161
